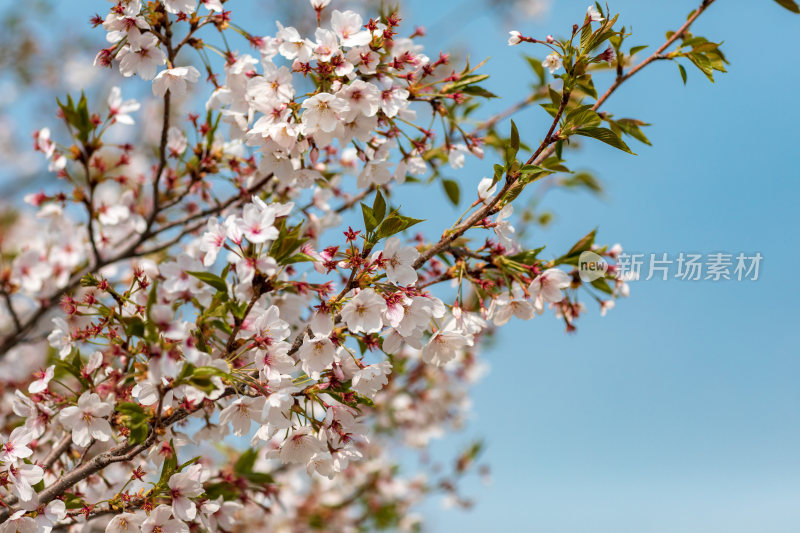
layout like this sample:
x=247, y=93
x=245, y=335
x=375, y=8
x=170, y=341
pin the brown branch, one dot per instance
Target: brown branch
x=516, y=108
x=656, y=55
x=11, y=311
x=62, y=446
x=120, y=453
x=489, y=206
x=130, y=252
x=546, y=148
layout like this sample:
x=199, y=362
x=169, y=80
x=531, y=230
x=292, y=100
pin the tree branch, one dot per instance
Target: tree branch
x=546, y=148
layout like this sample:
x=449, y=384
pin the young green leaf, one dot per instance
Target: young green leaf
x=379, y=207
x=605, y=135
x=370, y=222
x=210, y=279
x=453, y=191
x=683, y=72
x=514, y=139
x=394, y=224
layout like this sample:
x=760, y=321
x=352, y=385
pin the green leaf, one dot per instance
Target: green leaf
x=77, y=116
x=201, y=378
x=244, y=464
x=583, y=117
x=586, y=36
x=134, y=326
x=73, y=502
x=363, y=400
x=602, y=285
x=210, y=279
x=514, y=140
x=584, y=244
x=605, y=135
x=289, y=240
x=370, y=223
x=683, y=72
x=136, y=419
x=584, y=180
x=476, y=90
x=379, y=207
x=571, y=257
x=453, y=191
x=222, y=489
x=529, y=173
x=632, y=127
x=704, y=64
x=464, y=82
x=791, y=5
x=527, y=257
x=299, y=258
x=394, y=224
x=170, y=466
x=587, y=86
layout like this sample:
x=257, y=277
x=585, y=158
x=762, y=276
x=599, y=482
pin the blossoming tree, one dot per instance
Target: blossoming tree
x=238, y=327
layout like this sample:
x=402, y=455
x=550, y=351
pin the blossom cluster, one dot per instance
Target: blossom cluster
x=213, y=292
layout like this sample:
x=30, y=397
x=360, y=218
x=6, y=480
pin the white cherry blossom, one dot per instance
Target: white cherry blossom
x=399, y=261
x=87, y=419
x=16, y=446
x=120, y=110
x=175, y=80
x=161, y=521
x=370, y=379
x=323, y=112
x=183, y=486
x=141, y=56
x=125, y=523
x=348, y=26
x=549, y=284
x=362, y=313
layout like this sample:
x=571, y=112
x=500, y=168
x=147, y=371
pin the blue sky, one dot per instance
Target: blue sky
x=679, y=410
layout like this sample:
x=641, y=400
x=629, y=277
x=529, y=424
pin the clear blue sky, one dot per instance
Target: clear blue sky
x=680, y=410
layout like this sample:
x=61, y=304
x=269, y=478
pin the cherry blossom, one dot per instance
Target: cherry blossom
x=86, y=420
x=180, y=6
x=125, y=523
x=141, y=56
x=398, y=261
x=593, y=14
x=507, y=305
x=60, y=337
x=370, y=379
x=363, y=312
x=503, y=228
x=16, y=446
x=316, y=354
x=175, y=80
x=120, y=110
x=23, y=477
x=549, y=284
x=323, y=112
x=552, y=62
x=183, y=486
x=444, y=345
x=347, y=26
x=43, y=378
x=161, y=521
x=300, y=446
